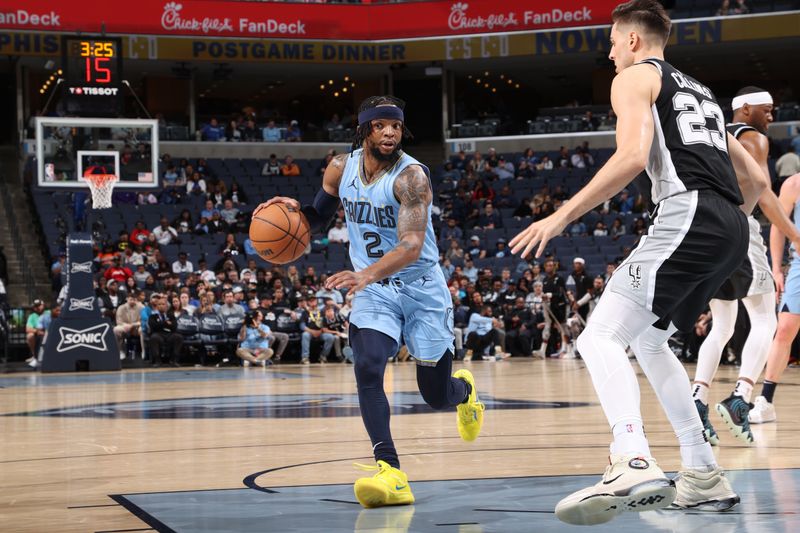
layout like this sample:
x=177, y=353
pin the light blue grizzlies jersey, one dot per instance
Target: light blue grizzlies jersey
x=371, y=212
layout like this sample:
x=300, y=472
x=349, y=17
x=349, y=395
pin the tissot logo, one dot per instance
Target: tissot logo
x=81, y=303
x=81, y=267
x=93, y=338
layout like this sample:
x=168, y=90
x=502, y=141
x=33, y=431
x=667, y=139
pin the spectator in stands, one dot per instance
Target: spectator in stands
x=289, y=167
x=481, y=332
x=460, y=162
x=545, y=163
x=787, y=165
x=739, y=8
x=609, y=122
x=525, y=170
x=504, y=169
x=600, y=229
x=293, y=133
x=312, y=329
x=582, y=158
x=482, y=192
x=249, y=132
x=272, y=167
x=325, y=162
x=336, y=325
x=212, y=131
x=117, y=271
x=501, y=249
x=452, y=231
x=161, y=324
x=338, y=233
x=519, y=325
x=229, y=307
x=323, y=293
x=475, y=250
x=128, y=321
x=182, y=265
x=140, y=276
x=623, y=203
x=492, y=158
x=271, y=132
x=578, y=228
x=617, y=228
x=639, y=227
x=236, y=194
x=451, y=175
x=32, y=334
x=196, y=185
x=795, y=142
x=208, y=210
x=563, y=159
x=454, y=251
x=216, y=193
x=232, y=132
x=183, y=223
x=201, y=228
x=146, y=198
x=469, y=270
x=554, y=287
x=487, y=172
x=254, y=340
x=581, y=284
x=589, y=122
x=230, y=246
x=216, y=224
x=164, y=233
x=490, y=219
x=229, y=212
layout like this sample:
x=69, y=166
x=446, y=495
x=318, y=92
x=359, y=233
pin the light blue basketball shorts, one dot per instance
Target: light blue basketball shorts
x=419, y=311
x=790, y=301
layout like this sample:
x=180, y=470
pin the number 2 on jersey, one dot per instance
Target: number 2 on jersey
x=373, y=241
x=692, y=121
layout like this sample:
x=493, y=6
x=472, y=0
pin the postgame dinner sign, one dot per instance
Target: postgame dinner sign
x=304, y=21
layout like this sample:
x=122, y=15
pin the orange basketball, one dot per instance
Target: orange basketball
x=279, y=233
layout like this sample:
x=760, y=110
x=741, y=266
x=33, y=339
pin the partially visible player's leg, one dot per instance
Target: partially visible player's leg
x=777, y=359
x=371, y=350
x=389, y=486
x=633, y=481
x=735, y=410
x=723, y=312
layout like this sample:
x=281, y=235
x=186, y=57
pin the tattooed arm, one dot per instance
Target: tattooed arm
x=413, y=190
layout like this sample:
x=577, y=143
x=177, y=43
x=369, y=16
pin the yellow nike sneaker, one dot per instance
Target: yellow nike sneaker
x=470, y=414
x=389, y=486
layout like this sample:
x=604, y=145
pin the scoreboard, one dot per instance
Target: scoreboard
x=92, y=75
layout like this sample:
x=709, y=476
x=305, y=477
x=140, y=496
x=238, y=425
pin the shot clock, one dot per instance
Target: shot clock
x=92, y=75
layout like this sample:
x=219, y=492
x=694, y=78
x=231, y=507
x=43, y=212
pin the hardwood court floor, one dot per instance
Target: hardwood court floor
x=70, y=441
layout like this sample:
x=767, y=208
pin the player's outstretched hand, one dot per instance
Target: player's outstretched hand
x=347, y=279
x=537, y=233
x=291, y=202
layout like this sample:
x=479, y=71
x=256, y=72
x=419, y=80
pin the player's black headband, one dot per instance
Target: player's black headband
x=381, y=111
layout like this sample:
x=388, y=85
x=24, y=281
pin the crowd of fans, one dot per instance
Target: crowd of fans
x=259, y=312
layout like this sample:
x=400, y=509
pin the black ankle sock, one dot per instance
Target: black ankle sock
x=469, y=391
x=768, y=390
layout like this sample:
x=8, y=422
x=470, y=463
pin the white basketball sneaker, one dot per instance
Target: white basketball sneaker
x=762, y=412
x=704, y=491
x=630, y=483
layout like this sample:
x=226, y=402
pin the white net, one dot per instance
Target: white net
x=102, y=186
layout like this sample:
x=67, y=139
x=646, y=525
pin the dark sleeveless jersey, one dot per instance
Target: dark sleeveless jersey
x=737, y=128
x=690, y=143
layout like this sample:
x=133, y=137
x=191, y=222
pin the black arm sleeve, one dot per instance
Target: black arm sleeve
x=320, y=212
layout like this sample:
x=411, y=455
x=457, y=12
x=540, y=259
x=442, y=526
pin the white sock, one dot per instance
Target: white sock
x=629, y=439
x=671, y=384
x=700, y=392
x=743, y=389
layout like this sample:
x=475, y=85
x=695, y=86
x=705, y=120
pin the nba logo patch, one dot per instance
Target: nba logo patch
x=635, y=275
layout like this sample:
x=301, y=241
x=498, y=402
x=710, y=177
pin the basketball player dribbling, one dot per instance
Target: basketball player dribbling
x=671, y=126
x=400, y=291
x=789, y=308
x=752, y=283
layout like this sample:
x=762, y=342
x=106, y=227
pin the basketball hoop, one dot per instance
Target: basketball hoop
x=101, y=185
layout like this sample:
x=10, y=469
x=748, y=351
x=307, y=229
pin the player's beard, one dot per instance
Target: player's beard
x=375, y=151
